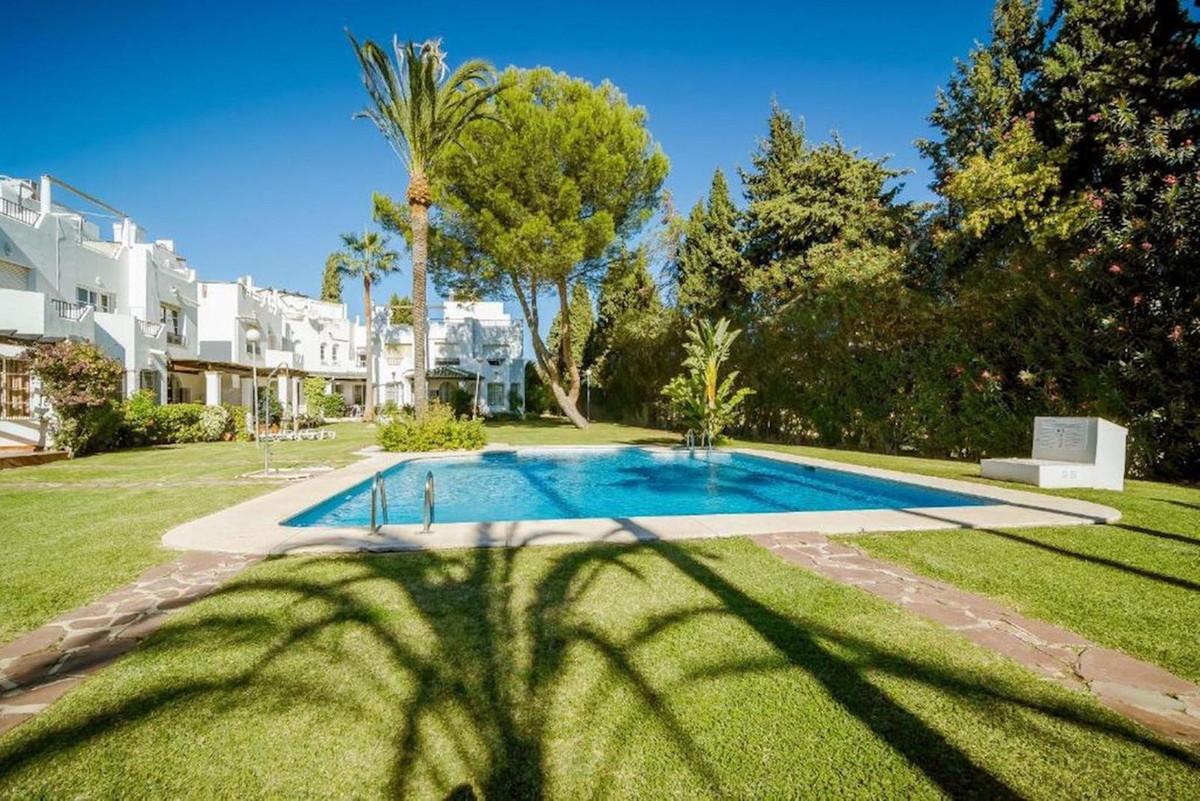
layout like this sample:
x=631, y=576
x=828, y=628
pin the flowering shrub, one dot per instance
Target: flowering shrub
x=83, y=386
x=148, y=423
x=438, y=430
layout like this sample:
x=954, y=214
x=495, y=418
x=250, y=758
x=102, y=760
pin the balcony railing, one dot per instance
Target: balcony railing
x=69, y=311
x=149, y=328
x=13, y=209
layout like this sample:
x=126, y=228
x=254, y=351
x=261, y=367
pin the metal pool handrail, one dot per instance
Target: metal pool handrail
x=378, y=496
x=428, y=512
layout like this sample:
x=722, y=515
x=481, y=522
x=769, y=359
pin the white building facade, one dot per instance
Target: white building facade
x=186, y=340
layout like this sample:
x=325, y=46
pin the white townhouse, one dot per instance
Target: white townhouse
x=64, y=277
x=474, y=346
x=243, y=333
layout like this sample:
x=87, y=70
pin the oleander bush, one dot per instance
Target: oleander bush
x=438, y=430
x=82, y=385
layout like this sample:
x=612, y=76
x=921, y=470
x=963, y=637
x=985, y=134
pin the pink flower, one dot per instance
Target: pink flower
x=1137, y=299
x=1147, y=247
x=1170, y=180
x=1114, y=268
x=1093, y=118
x=1029, y=115
x=1176, y=334
x=1097, y=203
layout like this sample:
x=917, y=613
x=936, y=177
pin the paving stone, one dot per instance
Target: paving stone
x=38, y=640
x=30, y=667
x=44, y=693
x=10, y=720
x=1098, y=664
x=940, y=613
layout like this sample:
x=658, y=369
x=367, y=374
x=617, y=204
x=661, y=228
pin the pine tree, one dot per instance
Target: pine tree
x=710, y=266
x=818, y=215
x=331, y=281
x=400, y=310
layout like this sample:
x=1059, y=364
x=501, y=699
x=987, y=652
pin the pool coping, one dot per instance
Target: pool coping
x=256, y=526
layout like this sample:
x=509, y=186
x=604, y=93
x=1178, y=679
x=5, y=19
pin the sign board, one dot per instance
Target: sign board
x=1067, y=439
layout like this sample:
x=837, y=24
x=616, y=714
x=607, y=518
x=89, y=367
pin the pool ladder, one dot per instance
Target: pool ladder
x=427, y=517
x=379, y=501
x=378, y=498
x=705, y=441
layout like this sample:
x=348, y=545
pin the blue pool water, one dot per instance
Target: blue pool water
x=617, y=482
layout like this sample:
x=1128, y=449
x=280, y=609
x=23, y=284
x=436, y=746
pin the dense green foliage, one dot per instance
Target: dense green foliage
x=542, y=200
x=1056, y=274
x=331, y=280
x=439, y=429
x=146, y=422
x=400, y=310
x=82, y=386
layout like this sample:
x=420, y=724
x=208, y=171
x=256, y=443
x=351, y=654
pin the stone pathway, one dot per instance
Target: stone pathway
x=1139, y=690
x=42, y=666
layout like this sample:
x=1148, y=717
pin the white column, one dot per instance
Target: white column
x=44, y=205
x=212, y=388
x=281, y=391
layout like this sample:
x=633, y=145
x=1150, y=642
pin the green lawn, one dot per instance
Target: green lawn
x=658, y=671
x=72, y=531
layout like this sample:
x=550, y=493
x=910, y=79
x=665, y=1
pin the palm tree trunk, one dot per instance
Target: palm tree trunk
x=369, y=411
x=420, y=250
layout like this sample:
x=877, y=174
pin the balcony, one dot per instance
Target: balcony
x=69, y=311
x=150, y=329
x=35, y=316
x=14, y=210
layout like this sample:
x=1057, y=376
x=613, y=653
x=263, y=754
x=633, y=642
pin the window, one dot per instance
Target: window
x=361, y=357
x=495, y=354
x=322, y=353
x=150, y=379
x=14, y=388
x=101, y=301
x=172, y=320
x=335, y=352
x=495, y=396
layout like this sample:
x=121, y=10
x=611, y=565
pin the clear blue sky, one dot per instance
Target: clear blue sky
x=226, y=126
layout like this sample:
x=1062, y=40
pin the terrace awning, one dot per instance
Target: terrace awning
x=206, y=365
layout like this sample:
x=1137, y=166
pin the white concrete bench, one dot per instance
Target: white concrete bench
x=1068, y=452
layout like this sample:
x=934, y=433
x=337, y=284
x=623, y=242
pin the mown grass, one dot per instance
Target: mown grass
x=71, y=531
x=705, y=669
x=1134, y=585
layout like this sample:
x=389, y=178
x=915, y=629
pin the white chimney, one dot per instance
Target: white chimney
x=44, y=195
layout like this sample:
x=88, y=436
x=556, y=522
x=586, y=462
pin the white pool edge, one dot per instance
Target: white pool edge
x=255, y=526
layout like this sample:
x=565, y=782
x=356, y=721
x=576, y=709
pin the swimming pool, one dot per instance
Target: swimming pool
x=554, y=483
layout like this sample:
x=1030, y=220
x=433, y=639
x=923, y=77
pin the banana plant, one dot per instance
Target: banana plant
x=699, y=397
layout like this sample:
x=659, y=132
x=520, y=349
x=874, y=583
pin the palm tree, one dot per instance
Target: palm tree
x=368, y=258
x=421, y=111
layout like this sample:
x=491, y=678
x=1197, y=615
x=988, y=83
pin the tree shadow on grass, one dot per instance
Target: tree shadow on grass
x=1153, y=575
x=494, y=649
